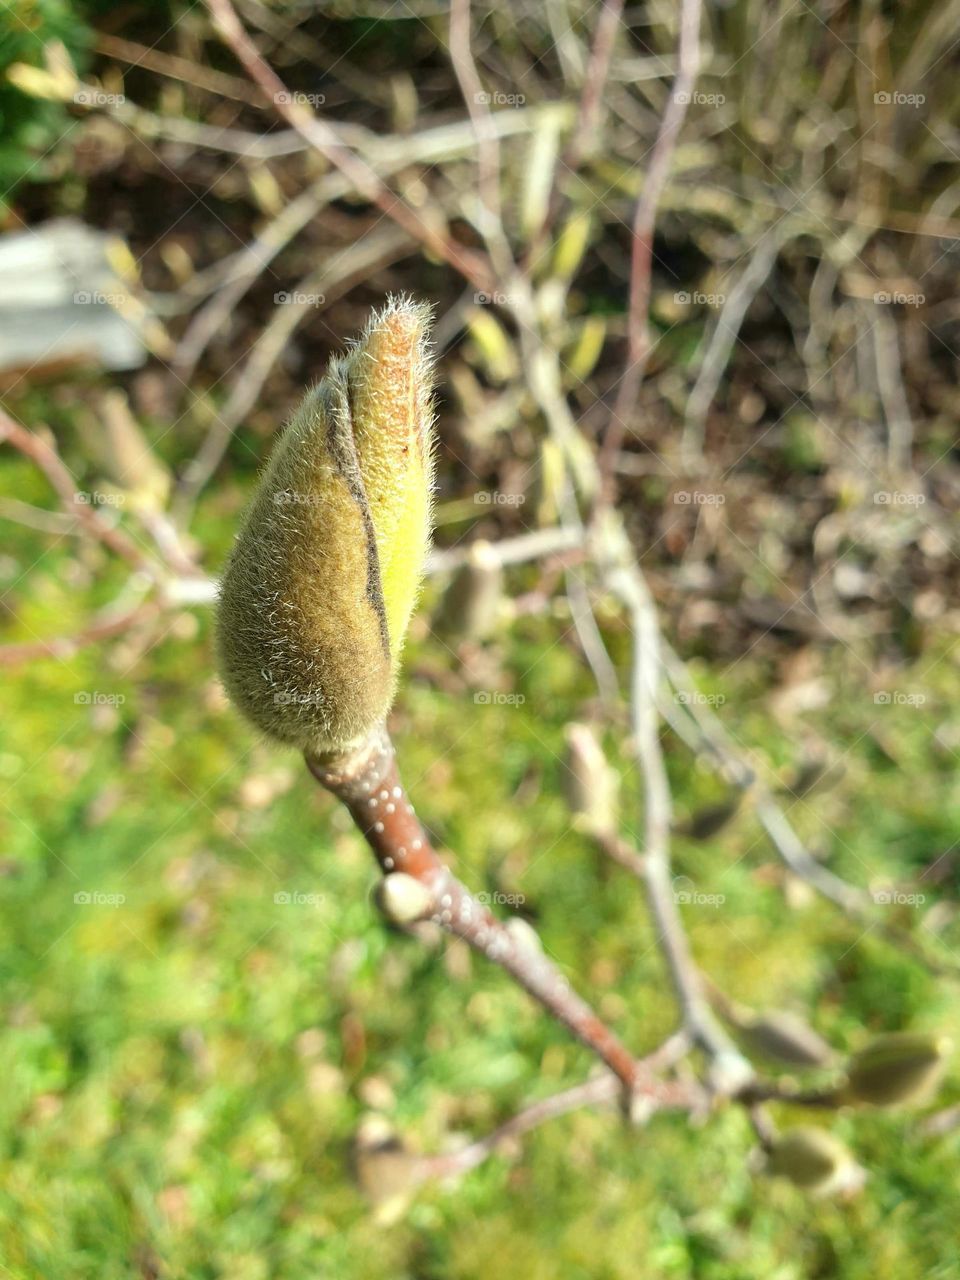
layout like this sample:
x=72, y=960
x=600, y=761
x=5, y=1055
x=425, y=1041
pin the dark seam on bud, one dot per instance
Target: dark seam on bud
x=339, y=432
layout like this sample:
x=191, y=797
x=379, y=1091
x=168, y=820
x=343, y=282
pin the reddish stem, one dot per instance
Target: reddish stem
x=368, y=783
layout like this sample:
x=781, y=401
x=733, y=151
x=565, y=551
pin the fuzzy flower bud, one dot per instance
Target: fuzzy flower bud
x=325, y=571
x=402, y=900
x=812, y=1159
x=905, y=1066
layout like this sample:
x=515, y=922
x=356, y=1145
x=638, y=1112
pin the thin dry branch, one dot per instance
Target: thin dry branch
x=41, y=452
x=468, y=262
x=644, y=221
x=729, y=1069
x=488, y=144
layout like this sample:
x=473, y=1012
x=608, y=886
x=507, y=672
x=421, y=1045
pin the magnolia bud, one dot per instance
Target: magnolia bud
x=471, y=603
x=812, y=1159
x=905, y=1066
x=785, y=1038
x=325, y=571
x=403, y=900
x=388, y=1173
x=591, y=785
x=706, y=822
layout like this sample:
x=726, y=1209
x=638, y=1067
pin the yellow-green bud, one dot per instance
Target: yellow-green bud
x=325, y=571
x=905, y=1066
x=591, y=785
x=402, y=899
x=811, y=1158
x=783, y=1037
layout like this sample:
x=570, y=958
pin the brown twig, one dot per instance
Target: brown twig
x=591, y=98
x=488, y=144
x=368, y=783
x=644, y=220
x=472, y=265
x=183, y=69
x=53, y=467
x=65, y=646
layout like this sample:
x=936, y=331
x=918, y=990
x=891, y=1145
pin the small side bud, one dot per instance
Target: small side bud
x=709, y=820
x=387, y=1172
x=590, y=784
x=783, y=1037
x=403, y=900
x=812, y=1159
x=523, y=934
x=471, y=604
x=902, y=1067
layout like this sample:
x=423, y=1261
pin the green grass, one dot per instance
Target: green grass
x=184, y=1069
